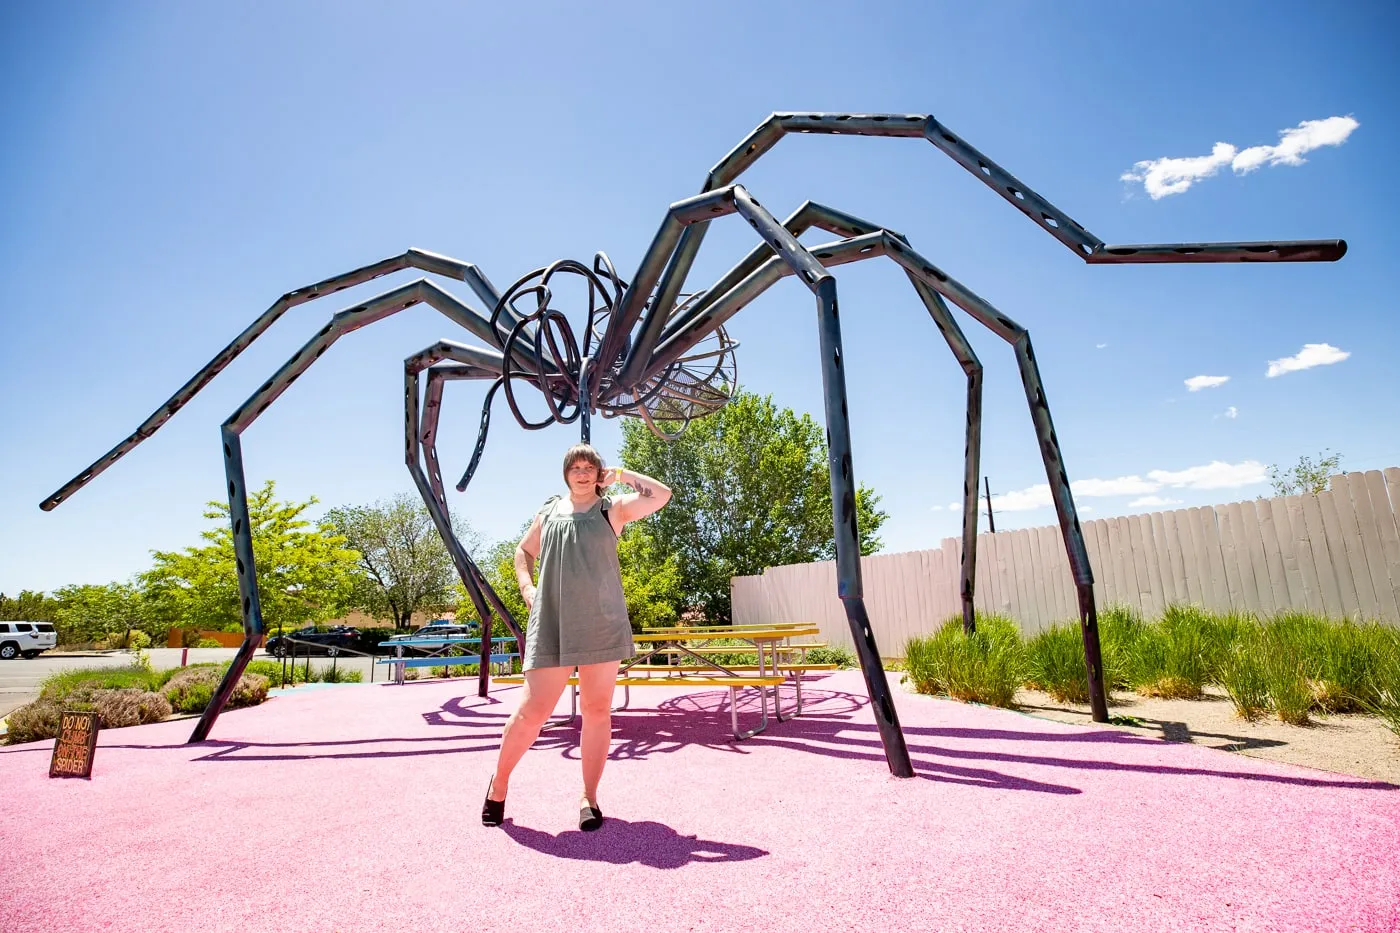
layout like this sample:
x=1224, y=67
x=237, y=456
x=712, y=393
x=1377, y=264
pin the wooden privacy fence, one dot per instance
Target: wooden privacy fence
x=1335, y=553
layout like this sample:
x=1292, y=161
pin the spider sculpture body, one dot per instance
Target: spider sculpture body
x=650, y=351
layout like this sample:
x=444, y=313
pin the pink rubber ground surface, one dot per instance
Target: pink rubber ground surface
x=357, y=809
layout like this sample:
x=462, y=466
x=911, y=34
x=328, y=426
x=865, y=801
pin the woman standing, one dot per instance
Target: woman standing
x=578, y=618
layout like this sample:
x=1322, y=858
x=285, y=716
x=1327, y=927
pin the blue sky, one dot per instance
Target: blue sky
x=170, y=169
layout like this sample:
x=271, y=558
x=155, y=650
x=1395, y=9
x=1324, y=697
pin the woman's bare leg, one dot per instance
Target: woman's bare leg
x=543, y=685
x=596, y=683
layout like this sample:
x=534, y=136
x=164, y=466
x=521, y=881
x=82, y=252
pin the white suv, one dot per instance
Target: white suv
x=25, y=638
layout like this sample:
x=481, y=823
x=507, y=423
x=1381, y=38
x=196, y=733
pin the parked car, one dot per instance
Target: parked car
x=310, y=640
x=441, y=628
x=26, y=639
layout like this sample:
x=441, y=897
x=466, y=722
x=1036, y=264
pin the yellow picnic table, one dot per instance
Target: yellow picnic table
x=767, y=642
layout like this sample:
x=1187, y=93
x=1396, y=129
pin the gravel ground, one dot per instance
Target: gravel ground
x=1349, y=744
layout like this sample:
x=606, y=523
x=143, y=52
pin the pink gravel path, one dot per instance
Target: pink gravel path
x=356, y=809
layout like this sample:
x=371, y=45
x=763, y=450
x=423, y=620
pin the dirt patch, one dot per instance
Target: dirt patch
x=1347, y=743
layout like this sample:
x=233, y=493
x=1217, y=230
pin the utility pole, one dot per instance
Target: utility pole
x=991, y=522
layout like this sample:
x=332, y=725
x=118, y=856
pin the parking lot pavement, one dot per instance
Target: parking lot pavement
x=21, y=679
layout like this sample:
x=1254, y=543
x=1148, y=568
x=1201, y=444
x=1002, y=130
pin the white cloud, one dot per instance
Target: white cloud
x=1161, y=177
x=1100, y=346
x=1214, y=475
x=1152, y=501
x=1231, y=412
x=1023, y=500
x=1122, y=486
x=1084, y=509
x=954, y=506
x=1293, y=143
x=1168, y=175
x=1197, y=383
x=1312, y=354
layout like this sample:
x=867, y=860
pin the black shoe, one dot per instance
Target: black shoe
x=493, y=812
x=589, y=818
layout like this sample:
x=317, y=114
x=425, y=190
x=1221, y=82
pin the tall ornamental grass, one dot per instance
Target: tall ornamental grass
x=1055, y=663
x=985, y=667
x=1291, y=665
x=1245, y=677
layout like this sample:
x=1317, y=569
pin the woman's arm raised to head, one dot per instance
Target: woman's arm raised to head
x=650, y=495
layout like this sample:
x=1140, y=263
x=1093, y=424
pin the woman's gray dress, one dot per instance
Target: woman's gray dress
x=579, y=615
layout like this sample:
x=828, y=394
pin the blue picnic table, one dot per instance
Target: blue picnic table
x=434, y=656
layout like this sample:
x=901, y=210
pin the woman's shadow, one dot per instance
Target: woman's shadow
x=621, y=842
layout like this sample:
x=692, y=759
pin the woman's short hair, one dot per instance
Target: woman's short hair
x=583, y=452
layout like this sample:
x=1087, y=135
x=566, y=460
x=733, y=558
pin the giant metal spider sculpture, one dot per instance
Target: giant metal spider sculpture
x=651, y=352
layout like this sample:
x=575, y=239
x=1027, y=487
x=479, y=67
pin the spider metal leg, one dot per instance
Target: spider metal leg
x=413, y=258
x=668, y=262
x=843, y=485
x=1016, y=193
x=427, y=436
x=702, y=317
x=935, y=281
x=972, y=449
x=420, y=434
x=375, y=309
x=1013, y=333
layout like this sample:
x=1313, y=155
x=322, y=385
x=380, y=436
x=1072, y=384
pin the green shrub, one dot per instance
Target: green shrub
x=33, y=722
x=453, y=670
x=986, y=667
x=129, y=707
x=191, y=689
x=134, y=640
x=743, y=653
x=272, y=670
x=208, y=643
x=839, y=655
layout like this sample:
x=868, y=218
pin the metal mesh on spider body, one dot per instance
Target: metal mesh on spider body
x=697, y=384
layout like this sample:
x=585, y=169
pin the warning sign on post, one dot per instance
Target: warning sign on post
x=73, y=750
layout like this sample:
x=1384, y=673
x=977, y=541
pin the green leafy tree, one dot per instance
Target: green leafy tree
x=651, y=580
x=1305, y=475
x=28, y=606
x=498, y=566
x=750, y=489
x=111, y=612
x=404, y=565
x=306, y=573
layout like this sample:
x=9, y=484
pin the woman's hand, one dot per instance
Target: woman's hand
x=527, y=593
x=611, y=476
